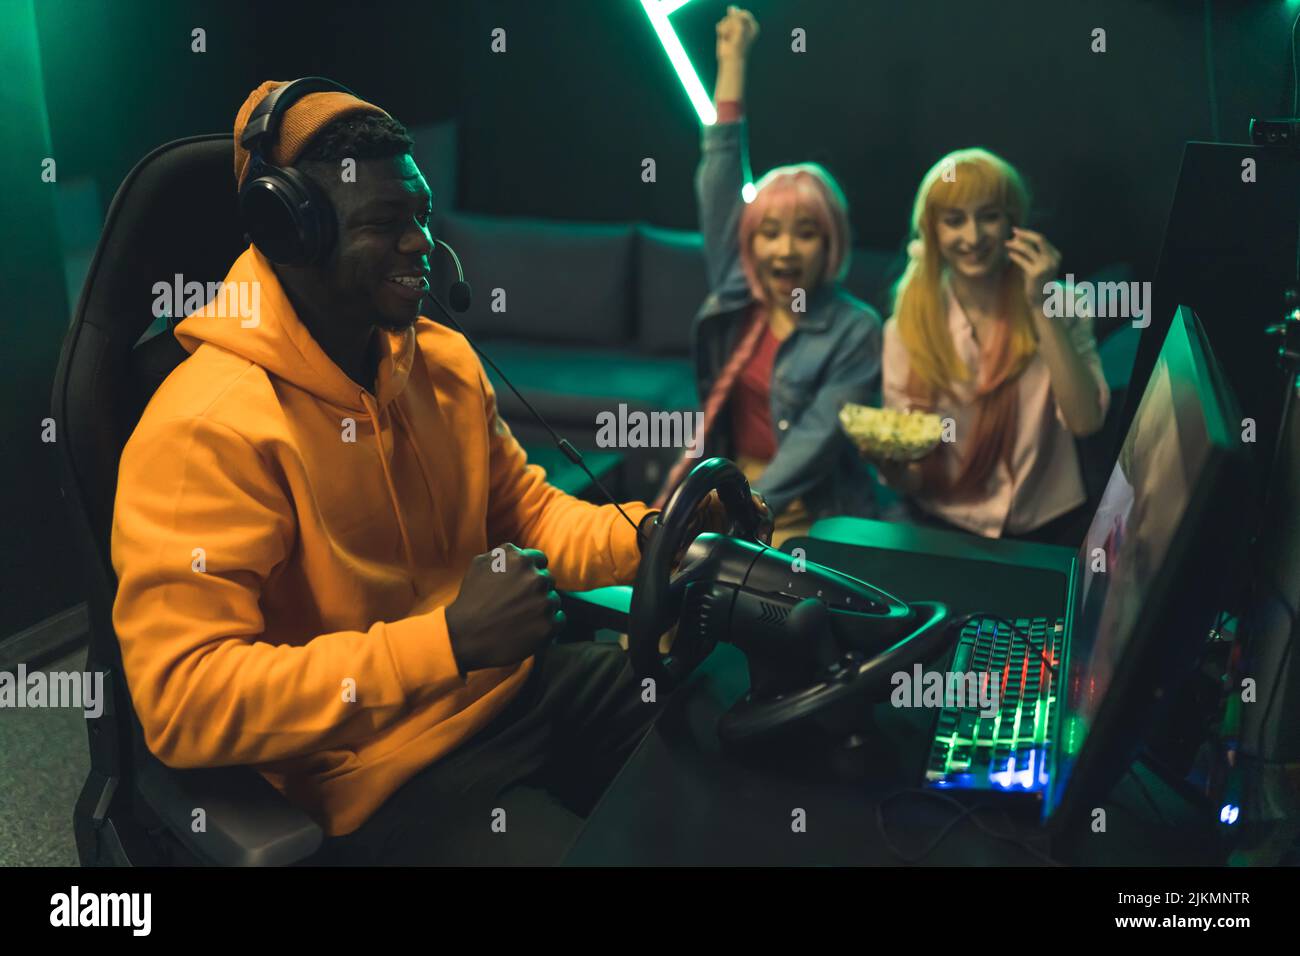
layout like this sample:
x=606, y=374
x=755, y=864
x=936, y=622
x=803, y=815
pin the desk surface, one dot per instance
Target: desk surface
x=681, y=800
x=1007, y=578
x=934, y=542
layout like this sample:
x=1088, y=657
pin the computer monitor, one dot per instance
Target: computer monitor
x=1153, y=570
x=1229, y=252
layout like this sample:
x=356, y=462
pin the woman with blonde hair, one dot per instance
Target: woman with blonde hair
x=976, y=338
x=779, y=344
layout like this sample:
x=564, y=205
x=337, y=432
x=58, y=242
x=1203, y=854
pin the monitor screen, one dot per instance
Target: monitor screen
x=1131, y=562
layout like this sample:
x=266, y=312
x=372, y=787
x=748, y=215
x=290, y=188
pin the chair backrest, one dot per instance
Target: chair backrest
x=174, y=214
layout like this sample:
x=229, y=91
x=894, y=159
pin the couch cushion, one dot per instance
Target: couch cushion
x=563, y=282
x=571, y=386
x=671, y=286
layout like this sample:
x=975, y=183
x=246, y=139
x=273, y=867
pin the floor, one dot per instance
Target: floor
x=43, y=762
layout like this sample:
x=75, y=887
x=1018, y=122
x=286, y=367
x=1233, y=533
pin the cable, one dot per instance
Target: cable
x=569, y=451
x=963, y=620
x=1295, y=90
x=1282, y=666
x=1209, y=72
x=966, y=811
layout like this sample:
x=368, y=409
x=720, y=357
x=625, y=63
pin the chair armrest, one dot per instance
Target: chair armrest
x=248, y=822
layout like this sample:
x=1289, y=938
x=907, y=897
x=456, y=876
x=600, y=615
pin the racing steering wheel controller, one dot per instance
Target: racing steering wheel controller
x=818, y=643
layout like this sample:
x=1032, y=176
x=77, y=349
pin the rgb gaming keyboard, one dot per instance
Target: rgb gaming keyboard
x=1000, y=740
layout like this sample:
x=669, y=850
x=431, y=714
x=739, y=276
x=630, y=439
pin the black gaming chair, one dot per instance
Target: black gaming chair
x=174, y=213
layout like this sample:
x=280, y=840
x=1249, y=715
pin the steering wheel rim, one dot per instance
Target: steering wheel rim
x=656, y=598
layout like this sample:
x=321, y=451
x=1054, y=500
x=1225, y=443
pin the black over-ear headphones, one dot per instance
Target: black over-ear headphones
x=286, y=215
x=283, y=212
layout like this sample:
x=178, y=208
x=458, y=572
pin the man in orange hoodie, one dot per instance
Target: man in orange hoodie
x=334, y=561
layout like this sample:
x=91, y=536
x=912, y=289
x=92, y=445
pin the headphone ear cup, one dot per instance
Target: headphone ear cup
x=287, y=217
x=266, y=210
x=313, y=216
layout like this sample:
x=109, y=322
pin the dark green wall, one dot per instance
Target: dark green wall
x=36, y=576
x=95, y=86
x=559, y=125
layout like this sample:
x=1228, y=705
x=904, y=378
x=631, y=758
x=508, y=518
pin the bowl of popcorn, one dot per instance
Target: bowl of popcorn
x=891, y=434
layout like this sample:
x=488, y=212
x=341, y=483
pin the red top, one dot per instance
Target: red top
x=751, y=401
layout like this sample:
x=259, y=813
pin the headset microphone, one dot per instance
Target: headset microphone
x=460, y=295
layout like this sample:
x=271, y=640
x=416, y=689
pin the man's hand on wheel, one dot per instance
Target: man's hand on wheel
x=503, y=616
x=711, y=515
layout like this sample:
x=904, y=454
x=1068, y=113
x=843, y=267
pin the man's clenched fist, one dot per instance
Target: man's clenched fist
x=502, y=617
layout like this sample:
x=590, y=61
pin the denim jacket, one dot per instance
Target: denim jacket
x=832, y=357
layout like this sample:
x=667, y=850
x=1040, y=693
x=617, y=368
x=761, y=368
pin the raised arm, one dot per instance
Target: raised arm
x=1070, y=353
x=724, y=155
x=736, y=34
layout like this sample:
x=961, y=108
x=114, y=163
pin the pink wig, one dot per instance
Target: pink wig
x=809, y=188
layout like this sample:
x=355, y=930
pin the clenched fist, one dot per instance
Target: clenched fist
x=503, y=616
x=736, y=32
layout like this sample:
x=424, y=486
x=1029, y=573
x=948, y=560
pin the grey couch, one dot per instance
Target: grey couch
x=589, y=316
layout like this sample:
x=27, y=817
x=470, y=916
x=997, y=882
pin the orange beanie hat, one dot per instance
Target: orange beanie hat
x=303, y=120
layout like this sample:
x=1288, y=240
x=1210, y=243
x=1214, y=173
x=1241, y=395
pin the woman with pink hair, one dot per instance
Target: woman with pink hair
x=779, y=344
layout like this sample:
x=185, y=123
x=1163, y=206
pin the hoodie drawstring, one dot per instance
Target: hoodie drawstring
x=372, y=411
x=406, y=424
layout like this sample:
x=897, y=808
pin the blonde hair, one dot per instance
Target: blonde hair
x=965, y=177
x=972, y=176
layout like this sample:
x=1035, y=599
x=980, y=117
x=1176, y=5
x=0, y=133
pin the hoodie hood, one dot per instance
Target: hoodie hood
x=251, y=316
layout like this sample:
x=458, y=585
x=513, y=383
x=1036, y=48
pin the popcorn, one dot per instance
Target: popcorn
x=891, y=433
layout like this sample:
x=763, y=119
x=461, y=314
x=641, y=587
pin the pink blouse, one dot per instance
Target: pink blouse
x=1044, y=480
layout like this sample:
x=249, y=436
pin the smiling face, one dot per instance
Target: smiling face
x=378, y=270
x=789, y=252
x=971, y=237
